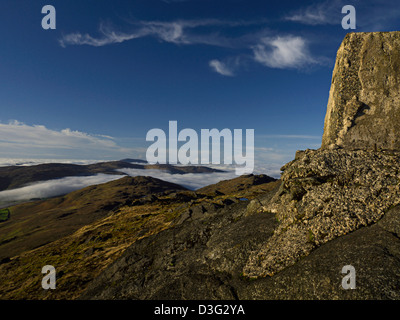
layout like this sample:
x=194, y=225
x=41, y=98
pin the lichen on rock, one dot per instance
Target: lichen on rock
x=326, y=194
x=364, y=101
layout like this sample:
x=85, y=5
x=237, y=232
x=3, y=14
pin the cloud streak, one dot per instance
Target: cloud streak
x=221, y=68
x=327, y=12
x=177, y=32
x=371, y=15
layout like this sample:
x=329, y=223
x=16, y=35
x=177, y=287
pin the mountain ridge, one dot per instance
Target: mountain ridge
x=13, y=177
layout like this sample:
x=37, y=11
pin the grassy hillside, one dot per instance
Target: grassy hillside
x=36, y=223
x=81, y=254
x=4, y=215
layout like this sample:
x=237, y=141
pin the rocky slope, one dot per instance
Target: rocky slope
x=204, y=259
x=85, y=231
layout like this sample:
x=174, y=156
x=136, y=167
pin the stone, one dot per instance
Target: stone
x=363, y=110
x=326, y=194
x=253, y=207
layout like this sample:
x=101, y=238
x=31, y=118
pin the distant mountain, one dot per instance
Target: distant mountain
x=15, y=176
x=171, y=168
x=238, y=184
x=134, y=160
x=182, y=169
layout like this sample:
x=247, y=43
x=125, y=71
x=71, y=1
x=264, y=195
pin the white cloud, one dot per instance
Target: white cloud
x=169, y=32
x=283, y=52
x=18, y=140
x=313, y=18
x=327, y=12
x=52, y=188
x=221, y=68
x=178, y=32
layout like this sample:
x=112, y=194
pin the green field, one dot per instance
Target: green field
x=4, y=214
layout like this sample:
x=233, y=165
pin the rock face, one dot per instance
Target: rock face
x=326, y=194
x=364, y=101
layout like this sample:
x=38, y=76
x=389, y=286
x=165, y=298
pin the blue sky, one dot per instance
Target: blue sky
x=113, y=70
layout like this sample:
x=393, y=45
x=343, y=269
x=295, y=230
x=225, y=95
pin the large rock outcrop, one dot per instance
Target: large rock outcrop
x=364, y=101
x=326, y=194
x=353, y=179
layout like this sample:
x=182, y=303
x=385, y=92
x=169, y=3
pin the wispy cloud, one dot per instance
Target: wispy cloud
x=327, y=12
x=177, y=32
x=107, y=37
x=221, y=68
x=283, y=52
x=17, y=139
x=169, y=32
x=372, y=15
